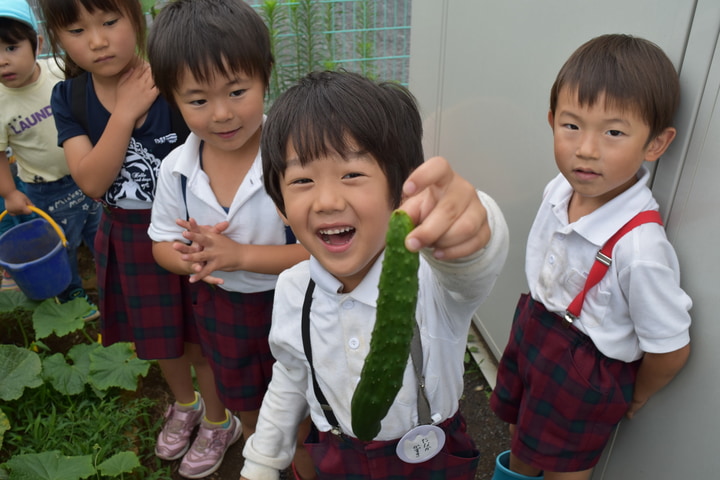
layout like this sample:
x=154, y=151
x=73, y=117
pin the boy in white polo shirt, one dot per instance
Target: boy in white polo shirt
x=600, y=332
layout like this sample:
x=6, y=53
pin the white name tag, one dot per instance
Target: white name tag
x=420, y=444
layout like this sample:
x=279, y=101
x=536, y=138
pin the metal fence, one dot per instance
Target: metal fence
x=367, y=36
x=371, y=37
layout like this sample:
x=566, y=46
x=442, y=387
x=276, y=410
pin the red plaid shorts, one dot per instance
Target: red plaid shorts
x=234, y=329
x=563, y=394
x=140, y=301
x=340, y=457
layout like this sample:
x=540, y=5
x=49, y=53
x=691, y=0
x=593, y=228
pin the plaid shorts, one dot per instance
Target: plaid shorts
x=340, y=457
x=140, y=301
x=563, y=394
x=233, y=329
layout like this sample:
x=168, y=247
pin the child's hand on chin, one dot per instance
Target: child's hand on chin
x=449, y=216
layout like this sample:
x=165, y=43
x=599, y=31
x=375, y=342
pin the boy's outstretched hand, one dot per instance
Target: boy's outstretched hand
x=450, y=217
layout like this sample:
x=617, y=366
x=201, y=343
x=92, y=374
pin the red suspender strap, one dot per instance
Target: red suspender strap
x=603, y=259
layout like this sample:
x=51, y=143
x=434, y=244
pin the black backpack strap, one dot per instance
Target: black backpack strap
x=78, y=100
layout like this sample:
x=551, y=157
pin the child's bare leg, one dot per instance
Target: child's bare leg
x=249, y=422
x=303, y=462
x=583, y=475
x=518, y=466
x=214, y=408
x=179, y=378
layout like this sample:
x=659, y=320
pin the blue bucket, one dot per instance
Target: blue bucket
x=35, y=255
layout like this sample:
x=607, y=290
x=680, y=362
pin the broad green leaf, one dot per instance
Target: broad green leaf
x=50, y=466
x=11, y=299
x=61, y=319
x=123, y=462
x=116, y=366
x=4, y=426
x=69, y=378
x=19, y=369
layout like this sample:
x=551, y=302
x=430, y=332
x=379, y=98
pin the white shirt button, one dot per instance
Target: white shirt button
x=353, y=343
x=348, y=304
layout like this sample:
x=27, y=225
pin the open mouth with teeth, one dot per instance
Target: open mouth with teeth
x=337, y=236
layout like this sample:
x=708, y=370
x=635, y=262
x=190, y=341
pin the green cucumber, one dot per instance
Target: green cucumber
x=382, y=373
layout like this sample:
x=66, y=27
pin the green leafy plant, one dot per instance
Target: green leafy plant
x=149, y=7
x=59, y=407
x=300, y=40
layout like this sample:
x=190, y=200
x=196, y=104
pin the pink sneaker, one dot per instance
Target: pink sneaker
x=208, y=450
x=174, y=438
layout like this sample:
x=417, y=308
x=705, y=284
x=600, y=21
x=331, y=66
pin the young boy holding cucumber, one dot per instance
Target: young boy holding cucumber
x=340, y=154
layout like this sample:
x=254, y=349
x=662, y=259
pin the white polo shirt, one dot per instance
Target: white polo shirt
x=638, y=306
x=252, y=215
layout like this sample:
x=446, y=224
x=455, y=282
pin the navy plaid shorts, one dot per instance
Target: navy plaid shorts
x=563, y=394
x=234, y=329
x=341, y=457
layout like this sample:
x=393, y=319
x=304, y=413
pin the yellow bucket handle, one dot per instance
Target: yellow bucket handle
x=47, y=217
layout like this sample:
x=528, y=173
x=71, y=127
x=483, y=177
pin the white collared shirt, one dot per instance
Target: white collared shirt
x=340, y=329
x=252, y=215
x=638, y=306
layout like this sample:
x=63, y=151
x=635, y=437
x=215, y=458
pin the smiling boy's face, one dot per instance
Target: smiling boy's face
x=225, y=112
x=338, y=208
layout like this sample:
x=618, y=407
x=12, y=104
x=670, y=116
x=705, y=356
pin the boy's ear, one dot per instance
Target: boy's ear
x=659, y=144
x=40, y=42
x=551, y=119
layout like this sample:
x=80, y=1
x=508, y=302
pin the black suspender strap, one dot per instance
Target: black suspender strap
x=423, y=405
x=329, y=415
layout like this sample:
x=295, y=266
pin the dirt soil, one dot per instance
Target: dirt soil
x=490, y=434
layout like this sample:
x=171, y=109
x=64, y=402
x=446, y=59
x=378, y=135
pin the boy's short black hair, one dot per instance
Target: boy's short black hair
x=13, y=31
x=632, y=72
x=328, y=112
x=208, y=37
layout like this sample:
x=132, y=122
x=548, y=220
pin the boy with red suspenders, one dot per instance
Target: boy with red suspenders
x=606, y=324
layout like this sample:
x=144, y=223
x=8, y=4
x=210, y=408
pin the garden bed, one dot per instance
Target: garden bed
x=490, y=434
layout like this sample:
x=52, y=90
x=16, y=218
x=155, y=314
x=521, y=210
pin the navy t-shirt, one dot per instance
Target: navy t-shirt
x=134, y=187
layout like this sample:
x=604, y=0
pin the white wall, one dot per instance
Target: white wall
x=482, y=71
